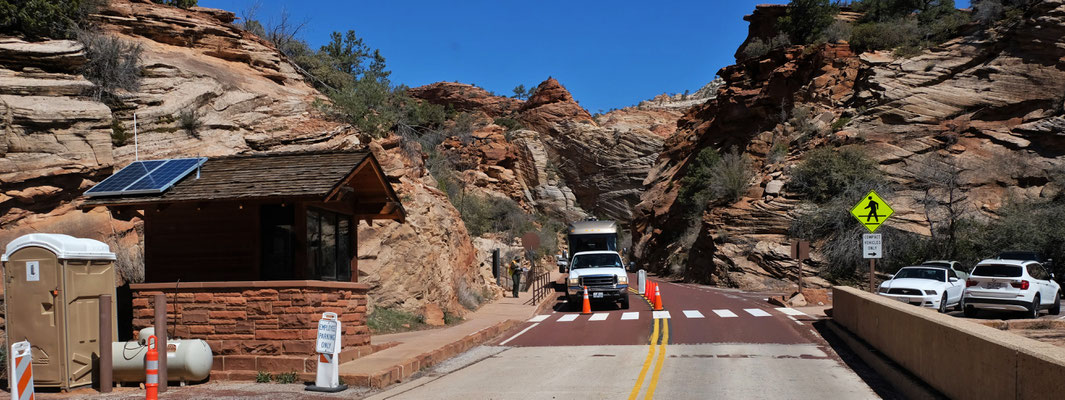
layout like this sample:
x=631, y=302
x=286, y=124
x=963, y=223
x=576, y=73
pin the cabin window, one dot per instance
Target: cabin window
x=328, y=245
x=277, y=224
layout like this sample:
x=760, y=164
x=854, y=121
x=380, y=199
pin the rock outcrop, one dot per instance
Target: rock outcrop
x=989, y=102
x=464, y=97
x=59, y=139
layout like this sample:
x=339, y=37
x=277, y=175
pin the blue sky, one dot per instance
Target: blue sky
x=609, y=54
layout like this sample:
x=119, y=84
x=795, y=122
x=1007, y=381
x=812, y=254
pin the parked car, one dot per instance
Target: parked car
x=959, y=270
x=1012, y=285
x=926, y=286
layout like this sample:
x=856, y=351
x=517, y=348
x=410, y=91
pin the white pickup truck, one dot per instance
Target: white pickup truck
x=603, y=273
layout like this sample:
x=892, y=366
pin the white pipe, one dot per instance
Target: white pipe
x=136, y=145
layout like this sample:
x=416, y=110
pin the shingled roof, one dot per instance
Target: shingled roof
x=317, y=175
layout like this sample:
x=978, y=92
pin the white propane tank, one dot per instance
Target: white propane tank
x=189, y=362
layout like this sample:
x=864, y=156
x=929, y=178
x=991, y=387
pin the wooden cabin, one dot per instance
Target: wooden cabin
x=252, y=249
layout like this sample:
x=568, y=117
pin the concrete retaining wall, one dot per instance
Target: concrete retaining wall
x=960, y=358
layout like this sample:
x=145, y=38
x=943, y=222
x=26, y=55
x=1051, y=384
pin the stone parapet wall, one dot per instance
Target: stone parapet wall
x=260, y=325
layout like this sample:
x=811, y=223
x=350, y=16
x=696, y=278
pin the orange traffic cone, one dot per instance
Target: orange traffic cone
x=587, y=308
x=658, y=299
x=151, y=370
x=650, y=295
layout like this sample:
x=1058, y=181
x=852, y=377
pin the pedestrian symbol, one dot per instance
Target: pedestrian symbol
x=872, y=211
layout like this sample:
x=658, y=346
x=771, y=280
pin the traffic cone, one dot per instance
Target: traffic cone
x=658, y=299
x=587, y=308
x=151, y=371
x=650, y=295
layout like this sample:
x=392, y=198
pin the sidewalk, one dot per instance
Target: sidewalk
x=420, y=349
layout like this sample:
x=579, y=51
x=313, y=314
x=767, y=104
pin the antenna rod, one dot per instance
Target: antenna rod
x=136, y=144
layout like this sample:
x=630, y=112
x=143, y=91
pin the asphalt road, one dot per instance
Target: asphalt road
x=709, y=343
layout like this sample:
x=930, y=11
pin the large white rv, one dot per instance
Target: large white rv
x=596, y=263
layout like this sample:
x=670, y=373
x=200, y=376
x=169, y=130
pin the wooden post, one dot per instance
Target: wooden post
x=872, y=275
x=354, y=249
x=105, y=340
x=800, y=276
x=160, y=338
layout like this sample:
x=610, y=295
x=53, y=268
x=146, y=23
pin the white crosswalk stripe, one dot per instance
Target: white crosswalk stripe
x=660, y=314
x=791, y=311
x=630, y=316
x=758, y=312
x=539, y=318
x=568, y=317
x=693, y=314
x=725, y=314
x=599, y=317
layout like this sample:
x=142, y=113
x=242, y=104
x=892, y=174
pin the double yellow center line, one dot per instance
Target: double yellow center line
x=661, y=325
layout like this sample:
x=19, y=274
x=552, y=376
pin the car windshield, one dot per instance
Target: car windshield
x=934, y=274
x=998, y=270
x=597, y=261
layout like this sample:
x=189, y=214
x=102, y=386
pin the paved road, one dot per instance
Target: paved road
x=709, y=343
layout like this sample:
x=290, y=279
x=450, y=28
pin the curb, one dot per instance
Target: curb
x=910, y=386
x=405, y=369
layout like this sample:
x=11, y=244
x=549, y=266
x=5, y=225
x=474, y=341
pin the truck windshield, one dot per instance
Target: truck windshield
x=597, y=261
x=593, y=242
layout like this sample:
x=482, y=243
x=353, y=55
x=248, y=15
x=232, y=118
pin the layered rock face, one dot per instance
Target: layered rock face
x=57, y=141
x=989, y=103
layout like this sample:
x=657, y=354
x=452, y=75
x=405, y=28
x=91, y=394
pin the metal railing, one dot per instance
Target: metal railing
x=542, y=287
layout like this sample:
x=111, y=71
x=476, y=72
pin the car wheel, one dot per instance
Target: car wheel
x=961, y=304
x=1033, y=310
x=943, y=304
x=970, y=312
x=1056, y=308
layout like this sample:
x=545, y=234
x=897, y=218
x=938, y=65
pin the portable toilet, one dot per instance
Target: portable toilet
x=52, y=288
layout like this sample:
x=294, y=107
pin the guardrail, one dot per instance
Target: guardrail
x=960, y=358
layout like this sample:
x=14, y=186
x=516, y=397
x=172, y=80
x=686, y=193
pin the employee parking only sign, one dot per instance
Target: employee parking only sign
x=872, y=211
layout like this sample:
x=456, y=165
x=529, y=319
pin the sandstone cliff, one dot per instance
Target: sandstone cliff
x=57, y=142
x=990, y=102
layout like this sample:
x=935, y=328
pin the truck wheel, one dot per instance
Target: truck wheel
x=575, y=302
x=625, y=302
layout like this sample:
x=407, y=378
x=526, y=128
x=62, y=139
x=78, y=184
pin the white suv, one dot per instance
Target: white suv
x=1011, y=285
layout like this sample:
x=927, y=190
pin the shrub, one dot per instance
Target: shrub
x=802, y=121
x=694, y=191
x=484, y=214
x=886, y=35
x=521, y=93
x=263, y=377
x=111, y=63
x=840, y=123
x=778, y=151
x=186, y=4
x=906, y=25
x=119, y=134
x=826, y=173
x=189, y=120
x=510, y=123
x=286, y=378
x=39, y=19
x=731, y=177
x=837, y=32
x=758, y=48
x=806, y=20
x=389, y=320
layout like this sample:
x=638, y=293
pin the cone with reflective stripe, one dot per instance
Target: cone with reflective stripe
x=587, y=307
x=658, y=299
x=151, y=371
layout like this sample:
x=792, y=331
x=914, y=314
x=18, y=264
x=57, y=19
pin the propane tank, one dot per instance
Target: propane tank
x=187, y=360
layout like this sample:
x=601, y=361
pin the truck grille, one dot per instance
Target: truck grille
x=597, y=280
x=913, y=292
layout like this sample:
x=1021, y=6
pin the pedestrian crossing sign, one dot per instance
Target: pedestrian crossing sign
x=872, y=211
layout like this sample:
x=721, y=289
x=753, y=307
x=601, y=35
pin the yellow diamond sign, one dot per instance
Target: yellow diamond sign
x=872, y=211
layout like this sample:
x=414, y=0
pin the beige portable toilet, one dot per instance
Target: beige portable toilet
x=52, y=287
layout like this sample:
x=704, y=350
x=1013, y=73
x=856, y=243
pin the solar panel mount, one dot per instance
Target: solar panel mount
x=146, y=177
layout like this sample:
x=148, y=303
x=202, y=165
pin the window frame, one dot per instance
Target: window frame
x=316, y=249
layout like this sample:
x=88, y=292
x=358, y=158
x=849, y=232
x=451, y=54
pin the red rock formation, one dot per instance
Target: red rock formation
x=463, y=97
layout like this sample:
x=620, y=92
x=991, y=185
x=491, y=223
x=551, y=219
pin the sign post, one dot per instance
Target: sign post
x=872, y=211
x=328, y=349
x=800, y=250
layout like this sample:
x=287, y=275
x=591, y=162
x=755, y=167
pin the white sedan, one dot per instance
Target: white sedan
x=926, y=286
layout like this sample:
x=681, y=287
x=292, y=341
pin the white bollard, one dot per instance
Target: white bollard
x=641, y=281
x=328, y=349
x=21, y=371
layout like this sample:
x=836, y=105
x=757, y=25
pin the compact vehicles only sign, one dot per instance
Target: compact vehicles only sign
x=872, y=211
x=872, y=246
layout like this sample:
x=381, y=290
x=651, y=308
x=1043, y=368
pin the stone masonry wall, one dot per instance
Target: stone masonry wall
x=261, y=325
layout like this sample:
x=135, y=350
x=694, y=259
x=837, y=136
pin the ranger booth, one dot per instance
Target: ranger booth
x=251, y=250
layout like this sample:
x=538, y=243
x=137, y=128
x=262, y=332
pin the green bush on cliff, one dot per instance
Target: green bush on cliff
x=806, y=20
x=111, y=63
x=40, y=19
x=825, y=173
x=186, y=4
x=906, y=26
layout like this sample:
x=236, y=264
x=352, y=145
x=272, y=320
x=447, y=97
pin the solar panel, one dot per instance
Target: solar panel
x=146, y=177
